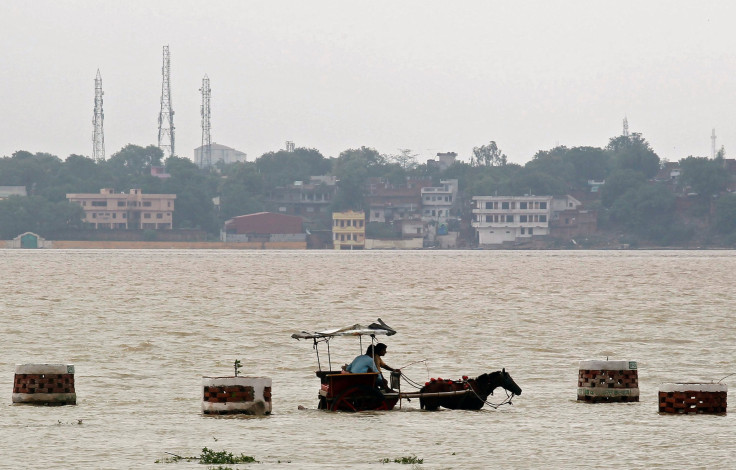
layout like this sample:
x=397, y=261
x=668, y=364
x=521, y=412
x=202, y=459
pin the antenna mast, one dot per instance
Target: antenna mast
x=205, y=153
x=166, y=116
x=713, y=143
x=98, y=136
x=626, y=127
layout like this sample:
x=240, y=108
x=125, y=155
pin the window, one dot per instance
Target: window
x=121, y=203
x=169, y=204
x=375, y=215
x=513, y=205
x=522, y=230
x=419, y=231
x=125, y=216
x=543, y=218
x=146, y=203
x=146, y=215
x=522, y=218
x=504, y=205
x=489, y=205
x=531, y=231
x=84, y=203
x=542, y=205
x=99, y=203
x=489, y=218
x=159, y=216
x=509, y=218
x=94, y=215
x=114, y=215
x=522, y=205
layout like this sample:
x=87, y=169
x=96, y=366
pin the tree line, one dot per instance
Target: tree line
x=630, y=202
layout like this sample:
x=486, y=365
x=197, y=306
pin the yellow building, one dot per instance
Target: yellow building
x=348, y=230
x=133, y=210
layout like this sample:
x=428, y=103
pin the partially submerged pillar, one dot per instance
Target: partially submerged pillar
x=44, y=384
x=608, y=381
x=236, y=395
x=693, y=398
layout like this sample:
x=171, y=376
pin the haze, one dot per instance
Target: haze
x=429, y=76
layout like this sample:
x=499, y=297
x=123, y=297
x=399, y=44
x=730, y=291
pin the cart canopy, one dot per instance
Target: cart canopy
x=379, y=328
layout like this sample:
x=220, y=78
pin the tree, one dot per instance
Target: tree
x=352, y=168
x=704, y=175
x=725, y=217
x=618, y=183
x=405, y=159
x=134, y=160
x=633, y=153
x=241, y=192
x=647, y=210
x=283, y=168
x=488, y=155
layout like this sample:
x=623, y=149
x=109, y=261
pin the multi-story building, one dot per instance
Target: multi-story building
x=438, y=202
x=7, y=191
x=499, y=219
x=388, y=203
x=309, y=200
x=133, y=210
x=348, y=230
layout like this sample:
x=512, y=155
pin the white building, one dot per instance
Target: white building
x=499, y=219
x=219, y=152
x=438, y=201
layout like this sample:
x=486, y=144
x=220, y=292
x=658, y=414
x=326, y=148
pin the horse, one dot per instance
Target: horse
x=478, y=390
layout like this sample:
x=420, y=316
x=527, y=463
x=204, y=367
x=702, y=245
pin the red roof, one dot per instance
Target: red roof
x=264, y=223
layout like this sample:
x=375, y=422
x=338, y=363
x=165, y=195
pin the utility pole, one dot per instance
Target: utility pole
x=166, y=116
x=98, y=135
x=205, y=153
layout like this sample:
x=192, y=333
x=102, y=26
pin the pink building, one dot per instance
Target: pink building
x=133, y=210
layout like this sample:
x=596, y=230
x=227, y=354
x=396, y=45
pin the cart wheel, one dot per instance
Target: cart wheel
x=359, y=398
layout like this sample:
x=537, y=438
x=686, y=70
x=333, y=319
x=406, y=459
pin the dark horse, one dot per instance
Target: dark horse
x=478, y=390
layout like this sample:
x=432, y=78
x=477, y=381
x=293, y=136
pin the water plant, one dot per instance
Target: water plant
x=209, y=456
x=409, y=460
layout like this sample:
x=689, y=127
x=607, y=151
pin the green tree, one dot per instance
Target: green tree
x=647, y=210
x=705, y=176
x=725, y=217
x=241, y=192
x=488, y=155
x=618, y=183
x=352, y=168
x=633, y=153
x=283, y=168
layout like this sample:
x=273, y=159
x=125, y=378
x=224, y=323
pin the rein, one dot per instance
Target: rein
x=495, y=406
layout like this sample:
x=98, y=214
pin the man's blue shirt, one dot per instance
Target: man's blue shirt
x=362, y=364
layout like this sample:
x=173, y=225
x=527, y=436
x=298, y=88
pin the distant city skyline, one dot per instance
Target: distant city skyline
x=427, y=76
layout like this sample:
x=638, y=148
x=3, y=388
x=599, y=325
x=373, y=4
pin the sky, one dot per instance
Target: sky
x=429, y=76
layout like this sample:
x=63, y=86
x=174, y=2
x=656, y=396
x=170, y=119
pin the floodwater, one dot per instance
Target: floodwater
x=143, y=327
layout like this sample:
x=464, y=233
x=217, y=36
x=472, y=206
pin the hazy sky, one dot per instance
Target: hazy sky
x=430, y=76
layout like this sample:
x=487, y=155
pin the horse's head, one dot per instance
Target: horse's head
x=508, y=383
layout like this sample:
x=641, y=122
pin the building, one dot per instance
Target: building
x=264, y=227
x=444, y=161
x=309, y=200
x=439, y=202
x=133, y=210
x=348, y=230
x=221, y=153
x=7, y=191
x=504, y=219
x=388, y=202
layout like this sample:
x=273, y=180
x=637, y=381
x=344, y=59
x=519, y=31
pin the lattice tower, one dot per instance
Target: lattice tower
x=98, y=135
x=205, y=154
x=713, y=143
x=289, y=146
x=626, y=127
x=166, y=116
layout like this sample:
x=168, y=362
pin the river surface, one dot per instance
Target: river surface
x=143, y=327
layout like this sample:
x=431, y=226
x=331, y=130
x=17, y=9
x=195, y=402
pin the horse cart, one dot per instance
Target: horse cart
x=343, y=391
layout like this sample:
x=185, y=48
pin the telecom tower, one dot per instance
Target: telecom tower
x=289, y=146
x=205, y=153
x=166, y=116
x=98, y=136
x=713, y=143
x=626, y=127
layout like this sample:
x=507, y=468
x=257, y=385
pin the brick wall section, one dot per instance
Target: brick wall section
x=608, y=379
x=267, y=394
x=692, y=402
x=43, y=383
x=229, y=394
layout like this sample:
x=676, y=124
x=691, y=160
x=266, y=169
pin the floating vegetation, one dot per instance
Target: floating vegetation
x=410, y=460
x=209, y=456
